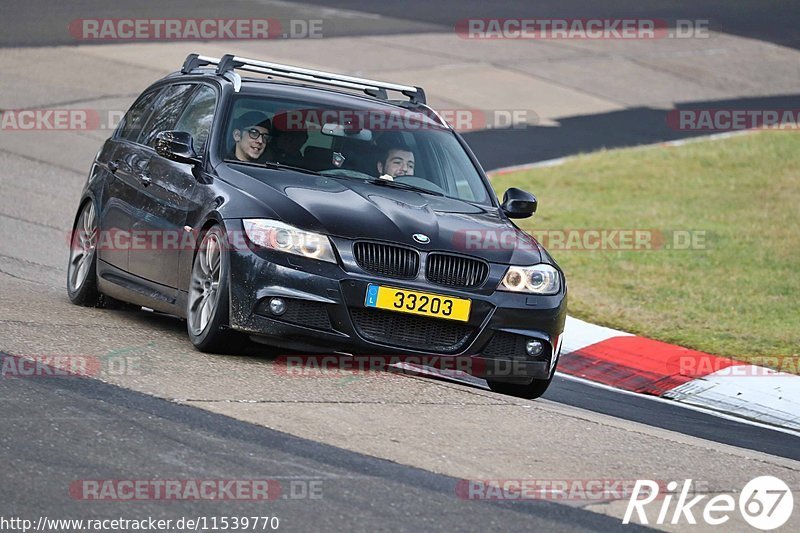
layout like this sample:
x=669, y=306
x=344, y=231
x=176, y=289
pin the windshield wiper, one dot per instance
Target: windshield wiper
x=281, y=166
x=406, y=186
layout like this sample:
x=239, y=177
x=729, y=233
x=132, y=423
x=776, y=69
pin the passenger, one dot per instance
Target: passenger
x=285, y=146
x=251, y=135
x=396, y=160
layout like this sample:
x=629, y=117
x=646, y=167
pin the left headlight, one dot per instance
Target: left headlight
x=536, y=279
x=285, y=238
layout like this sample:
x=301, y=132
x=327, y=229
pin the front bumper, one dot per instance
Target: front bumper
x=326, y=313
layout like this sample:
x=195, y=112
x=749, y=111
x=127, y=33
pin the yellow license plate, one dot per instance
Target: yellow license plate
x=417, y=303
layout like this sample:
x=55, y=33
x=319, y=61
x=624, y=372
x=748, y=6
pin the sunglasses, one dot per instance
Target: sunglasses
x=255, y=134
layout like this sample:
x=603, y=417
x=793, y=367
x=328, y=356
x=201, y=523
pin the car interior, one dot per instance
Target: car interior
x=333, y=146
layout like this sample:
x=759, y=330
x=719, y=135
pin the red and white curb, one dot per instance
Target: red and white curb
x=617, y=360
x=636, y=364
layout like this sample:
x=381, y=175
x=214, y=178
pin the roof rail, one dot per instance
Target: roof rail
x=229, y=63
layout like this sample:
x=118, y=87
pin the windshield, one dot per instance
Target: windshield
x=387, y=146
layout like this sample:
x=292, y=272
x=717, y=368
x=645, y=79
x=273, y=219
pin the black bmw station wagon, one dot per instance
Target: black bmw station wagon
x=311, y=211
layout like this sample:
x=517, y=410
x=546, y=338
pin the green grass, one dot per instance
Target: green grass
x=737, y=297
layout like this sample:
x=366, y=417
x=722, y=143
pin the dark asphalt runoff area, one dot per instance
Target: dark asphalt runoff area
x=60, y=431
x=774, y=21
x=769, y=20
x=42, y=22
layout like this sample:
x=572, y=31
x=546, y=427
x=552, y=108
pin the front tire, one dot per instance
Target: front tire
x=531, y=391
x=82, y=266
x=208, y=305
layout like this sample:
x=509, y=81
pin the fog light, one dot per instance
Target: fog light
x=277, y=306
x=534, y=347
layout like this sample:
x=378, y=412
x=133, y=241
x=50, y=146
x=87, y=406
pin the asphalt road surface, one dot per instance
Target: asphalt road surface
x=389, y=447
x=66, y=429
x=42, y=22
x=772, y=21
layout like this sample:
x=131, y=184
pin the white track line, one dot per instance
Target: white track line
x=683, y=405
x=445, y=375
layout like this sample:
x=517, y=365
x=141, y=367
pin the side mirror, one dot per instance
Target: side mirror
x=177, y=146
x=518, y=203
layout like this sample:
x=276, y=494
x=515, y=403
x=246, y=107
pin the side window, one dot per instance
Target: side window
x=198, y=116
x=441, y=165
x=168, y=108
x=136, y=116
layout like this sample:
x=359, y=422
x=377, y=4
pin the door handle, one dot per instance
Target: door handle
x=113, y=166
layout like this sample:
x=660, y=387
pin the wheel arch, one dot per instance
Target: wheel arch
x=86, y=198
x=187, y=259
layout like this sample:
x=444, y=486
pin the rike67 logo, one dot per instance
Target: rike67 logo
x=765, y=503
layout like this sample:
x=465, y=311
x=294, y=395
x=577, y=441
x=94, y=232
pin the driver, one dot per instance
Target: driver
x=396, y=160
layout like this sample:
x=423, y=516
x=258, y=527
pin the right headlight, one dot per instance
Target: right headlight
x=536, y=279
x=285, y=238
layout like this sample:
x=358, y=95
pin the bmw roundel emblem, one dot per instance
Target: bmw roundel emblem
x=421, y=238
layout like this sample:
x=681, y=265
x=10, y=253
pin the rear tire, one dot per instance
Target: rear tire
x=208, y=305
x=82, y=266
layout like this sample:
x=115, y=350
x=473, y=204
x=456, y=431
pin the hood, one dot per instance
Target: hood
x=354, y=209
